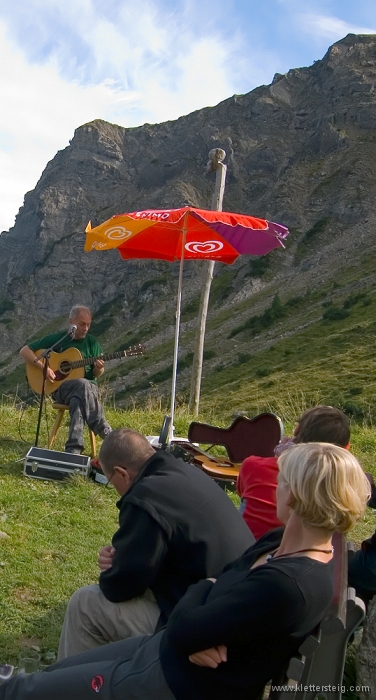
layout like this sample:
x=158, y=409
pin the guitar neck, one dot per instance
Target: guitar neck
x=92, y=360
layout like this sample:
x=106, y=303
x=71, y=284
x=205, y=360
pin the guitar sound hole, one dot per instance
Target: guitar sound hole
x=65, y=368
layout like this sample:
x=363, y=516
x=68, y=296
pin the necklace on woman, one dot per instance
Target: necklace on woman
x=298, y=551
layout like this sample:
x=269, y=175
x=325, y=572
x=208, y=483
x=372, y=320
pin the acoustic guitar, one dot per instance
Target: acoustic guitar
x=71, y=365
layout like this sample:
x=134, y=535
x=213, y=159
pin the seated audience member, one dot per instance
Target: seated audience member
x=228, y=636
x=176, y=526
x=362, y=564
x=257, y=480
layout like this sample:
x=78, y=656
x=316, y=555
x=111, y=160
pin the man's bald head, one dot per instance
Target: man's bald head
x=125, y=448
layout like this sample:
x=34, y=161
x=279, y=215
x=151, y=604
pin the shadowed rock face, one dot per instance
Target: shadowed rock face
x=298, y=151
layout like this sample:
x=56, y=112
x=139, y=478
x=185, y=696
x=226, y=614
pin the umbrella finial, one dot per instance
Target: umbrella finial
x=216, y=155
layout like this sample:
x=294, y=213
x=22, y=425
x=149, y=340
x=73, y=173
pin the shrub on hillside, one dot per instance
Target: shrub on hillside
x=163, y=279
x=353, y=299
x=318, y=227
x=185, y=361
x=258, y=266
x=221, y=287
x=6, y=305
x=262, y=371
x=256, y=324
x=243, y=357
x=191, y=308
x=295, y=301
x=133, y=340
x=100, y=327
x=335, y=313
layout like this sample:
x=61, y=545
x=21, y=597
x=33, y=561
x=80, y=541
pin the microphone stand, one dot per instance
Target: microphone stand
x=46, y=356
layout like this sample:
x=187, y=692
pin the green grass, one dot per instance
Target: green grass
x=54, y=531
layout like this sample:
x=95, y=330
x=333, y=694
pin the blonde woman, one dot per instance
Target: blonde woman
x=228, y=636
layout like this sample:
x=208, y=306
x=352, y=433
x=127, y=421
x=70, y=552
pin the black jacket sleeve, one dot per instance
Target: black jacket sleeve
x=372, y=501
x=141, y=546
x=198, y=623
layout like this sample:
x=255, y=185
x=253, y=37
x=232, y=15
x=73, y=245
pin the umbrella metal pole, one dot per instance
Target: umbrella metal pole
x=177, y=328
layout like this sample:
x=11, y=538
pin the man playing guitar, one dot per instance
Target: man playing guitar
x=80, y=394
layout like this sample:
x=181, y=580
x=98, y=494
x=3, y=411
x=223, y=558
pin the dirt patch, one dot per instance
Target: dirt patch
x=29, y=642
x=24, y=594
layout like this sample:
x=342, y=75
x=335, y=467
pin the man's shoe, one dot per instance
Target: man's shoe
x=97, y=472
x=6, y=671
x=105, y=432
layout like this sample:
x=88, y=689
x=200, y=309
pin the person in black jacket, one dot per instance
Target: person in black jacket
x=228, y=636
x=176, y=526
x=362, y=564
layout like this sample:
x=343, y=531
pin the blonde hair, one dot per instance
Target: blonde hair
x=329, y=488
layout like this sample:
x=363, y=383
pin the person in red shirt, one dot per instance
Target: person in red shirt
x=257, y=480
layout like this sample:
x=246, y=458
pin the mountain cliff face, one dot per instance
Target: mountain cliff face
x=301, y=151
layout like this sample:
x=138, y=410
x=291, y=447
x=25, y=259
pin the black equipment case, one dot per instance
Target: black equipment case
x=53, y=465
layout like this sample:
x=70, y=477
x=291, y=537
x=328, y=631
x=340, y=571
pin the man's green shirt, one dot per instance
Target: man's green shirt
x=88, y=347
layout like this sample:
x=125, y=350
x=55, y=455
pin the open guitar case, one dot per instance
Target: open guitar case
x=244, y=437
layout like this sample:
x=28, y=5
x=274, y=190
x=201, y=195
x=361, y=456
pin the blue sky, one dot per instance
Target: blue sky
x=66, y=62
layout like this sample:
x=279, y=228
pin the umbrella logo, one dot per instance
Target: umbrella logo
x=152, y=215
x=118, y=233
x=204, y=246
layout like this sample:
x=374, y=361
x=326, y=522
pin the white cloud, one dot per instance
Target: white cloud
x=40, y=109
x=329, y=28
x=38, y=116
x=130, y=68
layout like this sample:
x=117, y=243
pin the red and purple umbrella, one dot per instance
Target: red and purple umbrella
x=199, y=233
x=185, y=234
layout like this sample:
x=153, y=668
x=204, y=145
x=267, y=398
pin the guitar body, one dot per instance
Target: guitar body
x=60, y=363
x=71, y=365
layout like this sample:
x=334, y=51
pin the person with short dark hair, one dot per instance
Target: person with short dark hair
x=230, y=634
x=81, y=394
x=323, y=424
x=176, y=526
x=257, y=480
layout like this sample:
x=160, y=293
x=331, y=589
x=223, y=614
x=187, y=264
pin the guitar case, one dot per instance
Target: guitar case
x=51, y=465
